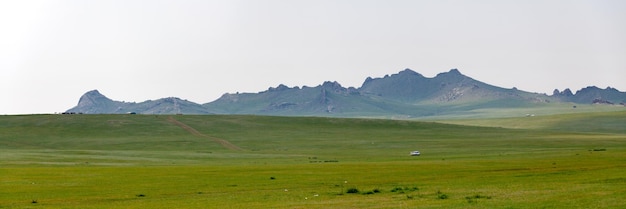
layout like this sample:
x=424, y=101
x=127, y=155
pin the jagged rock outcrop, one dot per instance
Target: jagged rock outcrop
x=593, y=95
x=564, y=93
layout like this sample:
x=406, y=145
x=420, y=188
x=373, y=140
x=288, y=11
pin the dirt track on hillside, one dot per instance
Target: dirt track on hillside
x=195, y=132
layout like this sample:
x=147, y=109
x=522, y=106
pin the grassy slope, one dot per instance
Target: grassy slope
x=598, y=122
x=144, y=161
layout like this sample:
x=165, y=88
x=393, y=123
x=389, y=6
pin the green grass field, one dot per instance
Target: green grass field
x=218, y=161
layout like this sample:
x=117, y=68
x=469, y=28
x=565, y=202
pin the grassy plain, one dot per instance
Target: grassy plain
x=149, y=161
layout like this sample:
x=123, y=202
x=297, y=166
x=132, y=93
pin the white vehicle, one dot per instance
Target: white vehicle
x=415, y=153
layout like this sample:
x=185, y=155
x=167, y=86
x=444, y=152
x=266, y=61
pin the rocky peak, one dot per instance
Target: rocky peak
x=409, y=72
x=406, y=75
x=611, y=89
x=170, y=100
x=280, y=87
x=588, y=89
x=566, y=93
x=94, y=92
x=92, y=97
x=334, y=85
x=452, y=73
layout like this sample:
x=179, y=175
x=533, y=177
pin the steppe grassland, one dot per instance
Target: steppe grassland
x=145, y=161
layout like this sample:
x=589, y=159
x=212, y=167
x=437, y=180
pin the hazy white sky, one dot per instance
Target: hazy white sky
x=51, y=52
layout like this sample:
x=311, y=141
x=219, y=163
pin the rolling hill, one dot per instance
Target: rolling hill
x=244, y=161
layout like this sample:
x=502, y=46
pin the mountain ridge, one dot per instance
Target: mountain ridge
x=93, y=102
x=407, y=93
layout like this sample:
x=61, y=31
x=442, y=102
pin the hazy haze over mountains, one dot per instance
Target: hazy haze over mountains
x=406, y=93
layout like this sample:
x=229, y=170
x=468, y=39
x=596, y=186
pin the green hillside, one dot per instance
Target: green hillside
x=257, y=135
x=594, y=122
x=239, y=161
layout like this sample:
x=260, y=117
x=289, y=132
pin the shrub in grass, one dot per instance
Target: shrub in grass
x=352, y=190
x=397, y=189
x=473, y=199
x=374, y=191
x=481, y=196
x=441, y=195
x=404, y=189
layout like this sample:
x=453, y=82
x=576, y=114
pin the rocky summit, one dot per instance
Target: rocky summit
x=407, y=94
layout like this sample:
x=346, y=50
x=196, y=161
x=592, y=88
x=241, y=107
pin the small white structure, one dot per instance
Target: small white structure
x=415, y=153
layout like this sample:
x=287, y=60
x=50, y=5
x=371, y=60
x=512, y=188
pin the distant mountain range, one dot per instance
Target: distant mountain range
x=407, y=94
